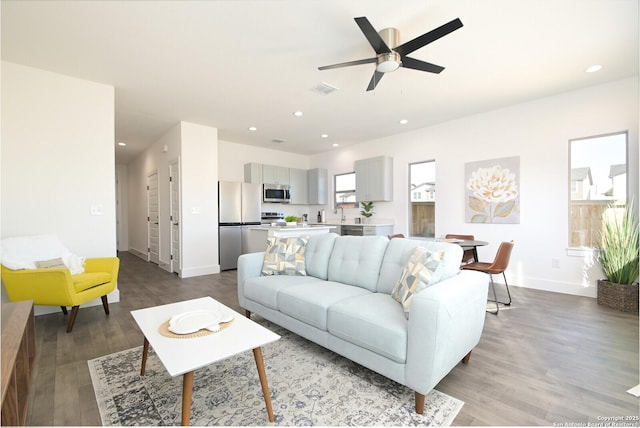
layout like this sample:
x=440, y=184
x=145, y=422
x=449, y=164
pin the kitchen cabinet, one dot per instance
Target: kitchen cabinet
x=298, y=180
x=374, y=179
x=275, y=174
x=318, y=186
x=367, y=229
x=253, y=173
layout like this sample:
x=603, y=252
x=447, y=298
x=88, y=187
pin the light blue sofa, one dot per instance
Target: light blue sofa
x=344, y=304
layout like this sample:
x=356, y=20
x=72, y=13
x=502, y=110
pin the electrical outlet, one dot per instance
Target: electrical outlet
x=555, y=263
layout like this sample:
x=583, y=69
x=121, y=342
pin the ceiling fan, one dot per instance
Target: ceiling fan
x=389, y=56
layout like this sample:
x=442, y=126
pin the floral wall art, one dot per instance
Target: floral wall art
x=492, y=191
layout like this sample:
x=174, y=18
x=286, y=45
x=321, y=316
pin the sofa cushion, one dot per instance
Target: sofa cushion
x=285, y=256
x=309, y=302
x=317, y=254
x=373, y=321
x=265, y=289
x=416, y=275
x=87, y=280
x=399, y=251
x=356, y=260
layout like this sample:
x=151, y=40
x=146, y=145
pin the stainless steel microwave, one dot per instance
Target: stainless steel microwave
x=278, y=193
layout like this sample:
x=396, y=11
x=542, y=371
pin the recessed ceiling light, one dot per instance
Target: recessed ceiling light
x=403, y=121
x=297, y=113
x=324, y=136
x=594, y=68
x=253, y=128
x=122, y=144
x=335, y=144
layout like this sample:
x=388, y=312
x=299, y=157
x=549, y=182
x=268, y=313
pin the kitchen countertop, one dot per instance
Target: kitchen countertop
x=298, y=227
x=350, y=223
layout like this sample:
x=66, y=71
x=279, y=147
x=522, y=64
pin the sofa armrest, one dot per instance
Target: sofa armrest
x=249, y=266
x=103, y=264
x=445, y=324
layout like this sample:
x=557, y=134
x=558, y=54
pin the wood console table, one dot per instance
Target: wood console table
x=18, y=356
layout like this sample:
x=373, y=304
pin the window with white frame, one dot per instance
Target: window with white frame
x=345, y=190
x=597, y=184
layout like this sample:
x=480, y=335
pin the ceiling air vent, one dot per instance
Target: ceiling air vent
x=324, y=88
x=277, y=140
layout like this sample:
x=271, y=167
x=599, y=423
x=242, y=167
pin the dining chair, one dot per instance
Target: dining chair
x=395, y=235
x=468, y=256
x=499, y=265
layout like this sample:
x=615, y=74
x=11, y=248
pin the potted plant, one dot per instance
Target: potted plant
x=619, y=258
x=367, y=210
x=291, y=220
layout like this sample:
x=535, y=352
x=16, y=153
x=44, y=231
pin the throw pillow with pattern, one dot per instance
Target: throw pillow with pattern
x=285, y=256
x=416, y=276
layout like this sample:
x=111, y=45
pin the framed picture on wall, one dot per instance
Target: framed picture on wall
x=492, y=191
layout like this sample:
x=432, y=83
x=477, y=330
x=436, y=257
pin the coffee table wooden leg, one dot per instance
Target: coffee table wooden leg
x=187, y=390
x=145, y=352
x=257, y=354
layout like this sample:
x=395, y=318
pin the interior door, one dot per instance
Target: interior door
x=153, y=220
x=174, y=190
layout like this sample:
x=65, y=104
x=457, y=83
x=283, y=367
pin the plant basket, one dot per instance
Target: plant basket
x=618, y=296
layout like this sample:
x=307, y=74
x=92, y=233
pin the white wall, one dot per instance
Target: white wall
x=231, y=160
x=538, y=132
x=154, y=158
x=195, y=147
x=199, y=183
x=58, y=160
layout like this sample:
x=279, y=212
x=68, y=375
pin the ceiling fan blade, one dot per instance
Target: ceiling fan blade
x=375, y=79
x=372, y=36
x=426, y=38
x=348, y=64
x=416, y=64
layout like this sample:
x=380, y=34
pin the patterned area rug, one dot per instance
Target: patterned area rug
x=309, y=386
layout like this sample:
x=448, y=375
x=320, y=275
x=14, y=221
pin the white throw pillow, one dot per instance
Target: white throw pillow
x=418, y=274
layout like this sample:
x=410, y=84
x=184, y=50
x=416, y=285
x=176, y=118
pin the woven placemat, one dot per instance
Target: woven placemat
x=164, y=330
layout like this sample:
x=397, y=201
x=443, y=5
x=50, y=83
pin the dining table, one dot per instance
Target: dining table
x=466, y=244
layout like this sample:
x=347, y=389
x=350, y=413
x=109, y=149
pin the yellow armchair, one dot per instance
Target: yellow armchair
x=57, y=287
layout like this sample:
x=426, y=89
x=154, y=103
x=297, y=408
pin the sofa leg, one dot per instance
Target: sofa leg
x=247, y=313
x=419, y=403
x=72, y=318
x=466, y=358
x=105, y=304
x=64, y=309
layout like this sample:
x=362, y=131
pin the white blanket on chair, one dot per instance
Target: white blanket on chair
x=22, y=252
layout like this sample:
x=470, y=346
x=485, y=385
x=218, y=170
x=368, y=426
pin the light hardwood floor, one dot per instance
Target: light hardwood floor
x=549, y=358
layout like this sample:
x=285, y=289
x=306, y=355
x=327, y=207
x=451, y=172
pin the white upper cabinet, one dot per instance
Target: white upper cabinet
x=298, y=181
x=253, y=173
x=307, y=186
x=275, y=174
x=318, y=186
x=374, y=179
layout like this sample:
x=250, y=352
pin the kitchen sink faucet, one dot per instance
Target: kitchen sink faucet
x=342, y=218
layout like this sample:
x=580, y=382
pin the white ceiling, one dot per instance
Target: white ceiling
x=235, y=64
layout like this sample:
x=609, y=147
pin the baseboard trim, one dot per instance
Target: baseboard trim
x=563, y=287
x=199, y=271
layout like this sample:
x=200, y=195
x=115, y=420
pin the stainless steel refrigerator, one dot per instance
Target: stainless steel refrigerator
x=239, y=207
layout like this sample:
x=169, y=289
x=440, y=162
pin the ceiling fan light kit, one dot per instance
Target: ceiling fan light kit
x=390, y=55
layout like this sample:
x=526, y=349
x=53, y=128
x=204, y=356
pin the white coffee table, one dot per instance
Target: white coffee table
x=183, y=356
